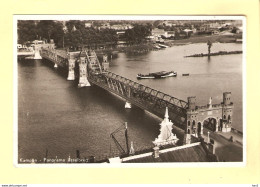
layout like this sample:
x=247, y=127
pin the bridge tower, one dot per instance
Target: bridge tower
x=192, y=117
x=71, y=64
x=227, y=112
x=192, y=103
x=55, y=56
x=83, y=81
x=105, y=63
x=93, y=62
x=37, y=52
x=215, y=117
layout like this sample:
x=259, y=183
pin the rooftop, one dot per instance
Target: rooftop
x=187, y=153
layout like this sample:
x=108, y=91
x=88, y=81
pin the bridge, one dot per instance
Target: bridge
x=185, y=115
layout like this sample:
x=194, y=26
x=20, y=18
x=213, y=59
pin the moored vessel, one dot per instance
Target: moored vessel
x=157, y=75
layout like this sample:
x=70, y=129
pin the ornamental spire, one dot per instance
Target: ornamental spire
x=166, y=113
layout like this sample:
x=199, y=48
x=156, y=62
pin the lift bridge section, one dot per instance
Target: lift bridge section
x=142, y=96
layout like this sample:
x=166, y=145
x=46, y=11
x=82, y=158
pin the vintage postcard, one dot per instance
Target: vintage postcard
x=130, y=90
x=141, y=92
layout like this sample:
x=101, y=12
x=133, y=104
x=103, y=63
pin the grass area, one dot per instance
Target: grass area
x=138, y=48
x=212, y=38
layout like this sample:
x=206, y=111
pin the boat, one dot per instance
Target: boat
x=163, y=46
x=157, y=75
x=185, y=74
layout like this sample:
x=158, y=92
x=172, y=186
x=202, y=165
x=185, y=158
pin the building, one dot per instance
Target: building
x=216, y=117
x=158, y=32
x=194, y=152
x=169, y=23
x=121, y=27
x=187, y=153
x=166, y=150
x=88, y=25
x=187, y=31
x=170, y=34
x=105, y=26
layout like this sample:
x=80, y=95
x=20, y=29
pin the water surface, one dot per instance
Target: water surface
x=54, y=115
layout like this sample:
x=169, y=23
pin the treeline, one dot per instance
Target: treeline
x=138, y=34
x=74, y=33
x=29, y=30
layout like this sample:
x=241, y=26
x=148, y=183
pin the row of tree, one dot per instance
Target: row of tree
x=75, y=33
x=29, y=30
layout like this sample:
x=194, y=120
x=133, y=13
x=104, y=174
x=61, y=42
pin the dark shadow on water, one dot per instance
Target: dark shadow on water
x=139, y=121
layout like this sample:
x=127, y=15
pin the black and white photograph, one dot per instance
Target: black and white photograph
x=129, y=90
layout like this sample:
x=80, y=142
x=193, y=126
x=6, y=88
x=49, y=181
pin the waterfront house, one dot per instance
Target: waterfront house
x=158, y=32
x=121, y=27
x=88, y=25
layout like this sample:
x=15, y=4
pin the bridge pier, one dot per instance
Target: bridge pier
x=187, y=139
x=105, y=63
x=55, y=56
x=71, y=74
x=201, y=132
x=128, y=104
x=83, y=81
x=37, y=55
x=217, y=125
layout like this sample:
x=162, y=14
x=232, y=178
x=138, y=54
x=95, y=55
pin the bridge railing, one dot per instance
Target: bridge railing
x=142, y=96
x=62, y=58
x=208, y=106
x=145, y=97
x=55, y=55
x=148, y=90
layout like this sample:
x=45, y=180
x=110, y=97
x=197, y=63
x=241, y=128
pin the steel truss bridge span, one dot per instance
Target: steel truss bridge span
x=142, y=96
x=186, y=115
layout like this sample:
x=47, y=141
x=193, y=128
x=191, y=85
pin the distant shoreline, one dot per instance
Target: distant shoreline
x=146, y=47
x=149, y=46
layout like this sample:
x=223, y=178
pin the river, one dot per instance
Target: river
x=57, y=118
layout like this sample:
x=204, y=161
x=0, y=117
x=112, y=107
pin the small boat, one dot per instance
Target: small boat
x=157, y=75
x=185, y=74
x=163, y=46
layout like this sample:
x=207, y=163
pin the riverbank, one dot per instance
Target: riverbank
x=150, y=46
x=145, y=47
x=215, y=54
x=130, y=49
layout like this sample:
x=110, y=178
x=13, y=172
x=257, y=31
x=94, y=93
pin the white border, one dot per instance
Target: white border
x=122, y=17
x=15, y=92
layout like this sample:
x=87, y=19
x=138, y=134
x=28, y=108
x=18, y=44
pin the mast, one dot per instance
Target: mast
x=126, y=138
x=119, y=147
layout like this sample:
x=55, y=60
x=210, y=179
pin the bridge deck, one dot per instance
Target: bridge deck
x=142, y=96
x=25, y=53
